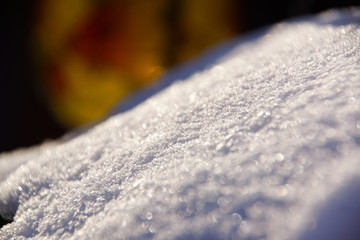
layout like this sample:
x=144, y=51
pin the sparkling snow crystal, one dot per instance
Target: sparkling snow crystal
x=263, y=144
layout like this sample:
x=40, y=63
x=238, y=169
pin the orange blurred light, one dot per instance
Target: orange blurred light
x=92, y=53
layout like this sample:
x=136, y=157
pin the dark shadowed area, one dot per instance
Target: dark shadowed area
x=339, y=219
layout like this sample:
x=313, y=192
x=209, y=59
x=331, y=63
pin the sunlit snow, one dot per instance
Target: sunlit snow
x=264, y=143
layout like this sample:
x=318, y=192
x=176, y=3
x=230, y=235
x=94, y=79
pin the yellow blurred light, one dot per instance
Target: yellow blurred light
x=92, y=53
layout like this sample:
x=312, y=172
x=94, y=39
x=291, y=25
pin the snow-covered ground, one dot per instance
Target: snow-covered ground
x=262, y=144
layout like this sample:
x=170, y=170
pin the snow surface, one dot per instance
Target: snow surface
x=263, y=144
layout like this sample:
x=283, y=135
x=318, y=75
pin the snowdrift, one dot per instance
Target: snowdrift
x=264, y=143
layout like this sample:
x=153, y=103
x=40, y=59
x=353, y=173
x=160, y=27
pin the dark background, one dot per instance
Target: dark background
x=24, y=118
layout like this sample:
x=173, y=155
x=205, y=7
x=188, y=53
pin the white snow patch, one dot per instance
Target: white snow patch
x=259, y=146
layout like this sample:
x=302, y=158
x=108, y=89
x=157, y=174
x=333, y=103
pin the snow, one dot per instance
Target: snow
x=264, y=143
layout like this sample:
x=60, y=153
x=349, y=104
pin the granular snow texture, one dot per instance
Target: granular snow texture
x=264, y=144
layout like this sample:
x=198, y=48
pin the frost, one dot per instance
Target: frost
x=263, y=144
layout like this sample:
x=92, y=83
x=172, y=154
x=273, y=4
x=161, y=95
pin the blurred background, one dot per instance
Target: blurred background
x=65, y=63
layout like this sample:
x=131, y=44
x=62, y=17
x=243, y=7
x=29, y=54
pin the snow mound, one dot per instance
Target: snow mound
x=263, y=144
